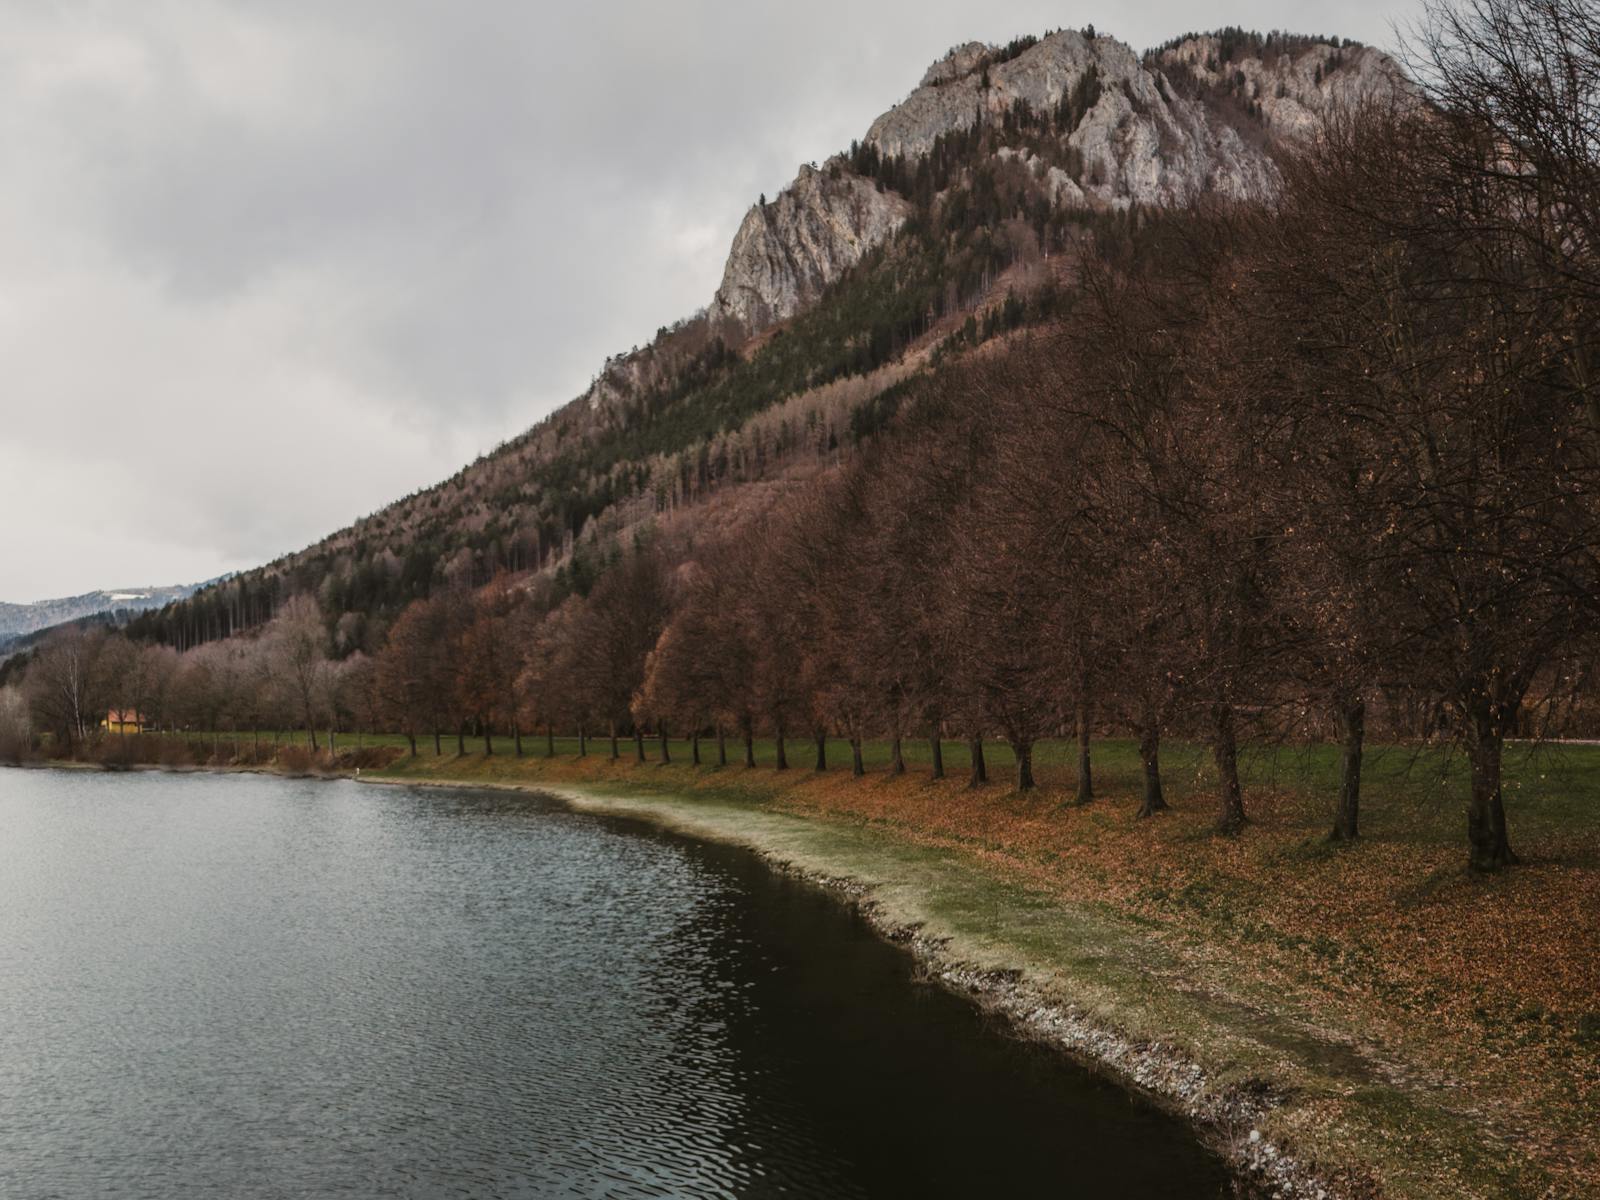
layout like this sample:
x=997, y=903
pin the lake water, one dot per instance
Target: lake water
x=253, y=987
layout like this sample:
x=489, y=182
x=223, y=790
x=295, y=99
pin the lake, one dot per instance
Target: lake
x=246, y=986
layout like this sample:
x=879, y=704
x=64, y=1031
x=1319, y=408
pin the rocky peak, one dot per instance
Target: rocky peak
x=791, y=248
x=1292, y=88
x=1200, y=116
x=963, y=60
x=963, y=89
x=1143, y=140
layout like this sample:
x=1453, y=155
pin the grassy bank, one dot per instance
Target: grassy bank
x=1410, y=1029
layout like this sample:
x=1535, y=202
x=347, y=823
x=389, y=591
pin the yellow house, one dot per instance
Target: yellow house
x=123, y=720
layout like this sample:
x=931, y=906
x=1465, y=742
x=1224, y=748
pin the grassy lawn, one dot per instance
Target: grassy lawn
x=1549, y=789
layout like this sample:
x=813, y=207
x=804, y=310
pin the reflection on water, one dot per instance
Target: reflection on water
x=254, y=987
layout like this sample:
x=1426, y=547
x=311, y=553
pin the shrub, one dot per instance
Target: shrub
x=296, y=760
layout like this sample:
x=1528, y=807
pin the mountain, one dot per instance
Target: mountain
x=956, y=217
x=17, y=620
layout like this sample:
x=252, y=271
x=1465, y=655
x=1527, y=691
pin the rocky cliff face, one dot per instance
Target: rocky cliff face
x=1197, y=118
x=1143, y=140
x=1293, y=91
x=787, y=251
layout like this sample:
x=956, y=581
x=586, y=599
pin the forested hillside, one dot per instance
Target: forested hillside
x=962, y=213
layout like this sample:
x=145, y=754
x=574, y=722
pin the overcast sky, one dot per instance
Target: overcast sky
x=265, y=267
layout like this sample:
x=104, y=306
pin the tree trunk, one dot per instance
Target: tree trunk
x=1085, y=792
x=782, y=763
x=1488, y=847
x=516, y=737
x=638, y=742
x=936, y=746
x=666, y=752
x=1150, y=756
x=1023, y=750
x=583, y=741
x=1225, y=750
x=488, y=738
x=412, y=738
x=312, y=734
x=980, y=769
x=749, y=746
x=438, y=747
x=694, y=746
x=615, y=753
x=1352, y=732
x=897, y=757
x=857, y=767
x=549, y=740
x=461, y=740
x=821, y=737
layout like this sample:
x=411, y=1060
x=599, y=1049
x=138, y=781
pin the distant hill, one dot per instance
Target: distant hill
x=18, y=620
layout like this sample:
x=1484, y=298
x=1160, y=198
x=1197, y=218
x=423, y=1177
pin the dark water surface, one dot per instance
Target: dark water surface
x=255, y=987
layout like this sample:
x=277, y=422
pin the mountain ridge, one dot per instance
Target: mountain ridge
x=19, y=619
x=998, y=161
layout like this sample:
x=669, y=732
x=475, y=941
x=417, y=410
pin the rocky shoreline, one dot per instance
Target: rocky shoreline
x=1225, y=1118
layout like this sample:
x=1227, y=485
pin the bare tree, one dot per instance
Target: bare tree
x=1519, y=83
x=1170, y=387
x=614, y=634
x=1471, y=505
x=16, y=724
x=67, y=684
x=298, y=641
x=415, y=674
x=489, y=656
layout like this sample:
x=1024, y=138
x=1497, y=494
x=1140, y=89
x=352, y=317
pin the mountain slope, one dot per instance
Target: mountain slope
x=956, y=213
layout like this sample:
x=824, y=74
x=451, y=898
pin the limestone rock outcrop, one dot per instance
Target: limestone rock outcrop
x=789, y=249
x=1295, y=91
x=1196, y=118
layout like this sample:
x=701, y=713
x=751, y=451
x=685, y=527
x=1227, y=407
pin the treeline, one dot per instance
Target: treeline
x=85, y=682
x=1321, y=469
